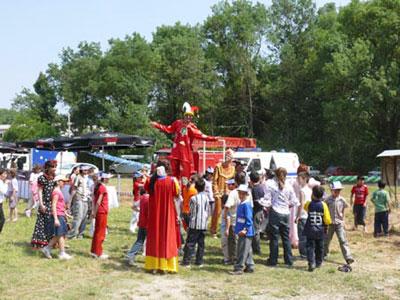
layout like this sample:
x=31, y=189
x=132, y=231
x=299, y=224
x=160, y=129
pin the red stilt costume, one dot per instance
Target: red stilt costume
x=185, y=132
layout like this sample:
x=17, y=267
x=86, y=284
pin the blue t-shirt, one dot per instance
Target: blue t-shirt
x=244, y=218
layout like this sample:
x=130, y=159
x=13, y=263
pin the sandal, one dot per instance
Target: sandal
x=345, y=268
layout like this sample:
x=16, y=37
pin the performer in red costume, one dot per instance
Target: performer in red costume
x=185, y=132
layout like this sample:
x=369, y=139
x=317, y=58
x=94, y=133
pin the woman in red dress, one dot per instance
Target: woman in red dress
x=163, y=238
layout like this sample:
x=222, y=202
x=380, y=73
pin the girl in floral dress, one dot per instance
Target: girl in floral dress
x=41, y=236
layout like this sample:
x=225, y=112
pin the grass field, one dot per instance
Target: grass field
x=25, y=274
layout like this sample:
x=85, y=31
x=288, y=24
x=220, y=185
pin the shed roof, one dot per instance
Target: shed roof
x=388, y=153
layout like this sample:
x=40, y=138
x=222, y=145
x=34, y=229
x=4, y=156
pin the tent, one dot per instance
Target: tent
x=390, y=167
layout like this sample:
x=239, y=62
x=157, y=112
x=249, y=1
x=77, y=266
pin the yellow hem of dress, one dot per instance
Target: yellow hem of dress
x=163, y=264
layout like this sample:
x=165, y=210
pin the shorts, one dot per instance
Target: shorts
x=13, y=201
x=61, y=230
x=359, y=212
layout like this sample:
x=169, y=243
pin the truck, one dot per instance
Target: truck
x=211, y=153
x=259, y=160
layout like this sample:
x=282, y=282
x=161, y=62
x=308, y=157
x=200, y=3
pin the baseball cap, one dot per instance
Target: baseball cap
x=85, y=167
x=336, y=185
x=106, y=175
x=210, y=170
x=230, y=181
x=243, y=188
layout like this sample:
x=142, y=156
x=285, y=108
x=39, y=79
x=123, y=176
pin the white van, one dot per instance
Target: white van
x=270, y=160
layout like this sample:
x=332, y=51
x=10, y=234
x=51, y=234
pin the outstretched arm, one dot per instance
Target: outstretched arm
x=196, y=133
x=164, y=128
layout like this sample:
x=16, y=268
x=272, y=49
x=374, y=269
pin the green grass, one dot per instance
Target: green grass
x=25, y=274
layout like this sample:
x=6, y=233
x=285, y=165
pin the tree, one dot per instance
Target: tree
x=26, y=127
x=234, y=34
x=182, y=74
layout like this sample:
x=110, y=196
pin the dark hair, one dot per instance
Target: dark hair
x=318, y=192
x=240, y=178
x=254, y=177
x=269, y=174
x=142, y=191
x=50, y=164
x=381, y=184
x=200, y=185
x=360, y=177
x=2, y=170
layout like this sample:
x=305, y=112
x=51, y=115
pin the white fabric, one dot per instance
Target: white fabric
x=209, y=191
x=12, y=186
x=112, y=197
x=281, y=200
x=34, y=177
x=306, y=190
x=3, y=190
x=233, y=202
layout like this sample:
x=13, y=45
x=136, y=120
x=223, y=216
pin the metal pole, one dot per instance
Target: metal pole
x=61, y=160
x=204, y=157
x=102, y=159
x=118, y=186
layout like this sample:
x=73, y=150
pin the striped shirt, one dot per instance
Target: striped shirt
x=199, y=207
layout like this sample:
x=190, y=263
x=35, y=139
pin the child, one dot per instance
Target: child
x=337, y=205
x=100, y=213
x=142, y=225
x=381, y=200
x=13, y=196
x=57, y=224
x=257, y=193
x=244, y=229
x=198, y=214
x=137, y=185
x=317, y=219
x=226, y=221
x=360, y=193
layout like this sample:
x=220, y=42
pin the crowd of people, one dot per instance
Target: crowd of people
x=172, y=217
x=247, y=206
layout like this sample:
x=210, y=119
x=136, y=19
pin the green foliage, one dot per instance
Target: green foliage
x=7, y=116
x=25, y=127
x=322, y=83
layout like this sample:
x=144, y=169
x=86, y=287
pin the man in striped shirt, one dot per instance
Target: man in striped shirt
x=199, y=208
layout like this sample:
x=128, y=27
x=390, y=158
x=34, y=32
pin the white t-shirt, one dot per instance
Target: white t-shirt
x=12, y=186
x=34, y=177
x=306, y=190
x=233, y=202
x=3, y=190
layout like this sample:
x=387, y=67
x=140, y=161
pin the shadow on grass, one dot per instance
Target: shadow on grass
x=27, y=247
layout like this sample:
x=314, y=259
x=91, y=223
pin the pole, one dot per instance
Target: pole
x=204, y=157
x=119, y=186
x=102, y=159
x=61, y=160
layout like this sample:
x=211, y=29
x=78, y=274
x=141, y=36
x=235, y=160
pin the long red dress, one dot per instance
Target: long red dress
x=182, y=151
x=163, y=238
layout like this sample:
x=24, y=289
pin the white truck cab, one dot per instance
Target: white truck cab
x=257, y=160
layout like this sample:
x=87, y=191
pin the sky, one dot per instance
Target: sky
x=33, y=32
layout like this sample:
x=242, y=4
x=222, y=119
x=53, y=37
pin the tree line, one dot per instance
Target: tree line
x=324, y=83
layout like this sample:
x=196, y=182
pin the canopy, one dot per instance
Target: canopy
x=103, y=140
x=6, y=147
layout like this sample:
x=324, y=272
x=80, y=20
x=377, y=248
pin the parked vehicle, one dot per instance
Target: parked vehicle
x=375, y=172
x=314, y=172
x=67, y=168
x=125, y=168
x=257, y=161
x=338, y=171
